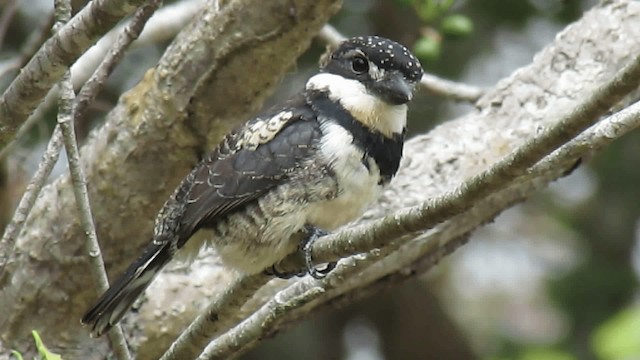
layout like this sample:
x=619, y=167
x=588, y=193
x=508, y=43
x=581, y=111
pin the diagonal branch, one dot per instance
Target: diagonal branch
x=410, y=258
x=47, y=66
x=516, y=164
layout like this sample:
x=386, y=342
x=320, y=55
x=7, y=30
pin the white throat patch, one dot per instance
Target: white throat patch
x=365, y=107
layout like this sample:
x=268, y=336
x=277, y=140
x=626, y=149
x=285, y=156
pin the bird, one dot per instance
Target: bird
x=288, y=176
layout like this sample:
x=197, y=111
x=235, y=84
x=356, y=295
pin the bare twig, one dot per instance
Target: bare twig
x=331, y=36
x=79, y=182
x=164, y=24
x=450, y=89
x=13, y=228
x=219, y=316
x=87, y=94
x=127, y=35
x=248, y=332
x=48, y=65
x=6, y=17
x=427, y=250
x=430, y=83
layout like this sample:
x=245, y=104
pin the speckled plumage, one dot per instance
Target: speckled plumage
x=317, y=160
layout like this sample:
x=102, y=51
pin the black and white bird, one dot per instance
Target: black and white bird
x=282, y=179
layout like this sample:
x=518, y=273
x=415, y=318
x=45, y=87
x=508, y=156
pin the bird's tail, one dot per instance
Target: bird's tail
x=116, y=301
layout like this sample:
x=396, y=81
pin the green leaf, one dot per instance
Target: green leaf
x=456, y=25
x=17, y=355
x=619, y=336
x=545, y=354
x=427, y=49
x=429, y=10
x=44, y=352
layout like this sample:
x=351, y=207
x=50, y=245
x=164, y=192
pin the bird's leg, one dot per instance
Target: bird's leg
x=312, y=234
x=306, y=245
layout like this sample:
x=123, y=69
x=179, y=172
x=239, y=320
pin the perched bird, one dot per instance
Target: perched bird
x=282, y=179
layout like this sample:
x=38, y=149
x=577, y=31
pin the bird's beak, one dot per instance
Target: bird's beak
x=395, y=89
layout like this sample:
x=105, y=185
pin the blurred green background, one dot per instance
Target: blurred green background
x=553, y=279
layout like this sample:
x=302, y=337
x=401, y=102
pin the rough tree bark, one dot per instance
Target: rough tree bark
x=155, y=133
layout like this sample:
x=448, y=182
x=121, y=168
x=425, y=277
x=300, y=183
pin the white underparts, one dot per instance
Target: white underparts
x=358, y=184
x=363, y=106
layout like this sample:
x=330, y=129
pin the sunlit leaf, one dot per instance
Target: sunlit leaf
x=427, y=49
x=545, y=354
x=619, y=337
x=456, y=25
x=44, y=352
x=17, y=355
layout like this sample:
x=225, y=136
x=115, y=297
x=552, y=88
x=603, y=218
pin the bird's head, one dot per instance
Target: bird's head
x=386, y=69
x=371, y=77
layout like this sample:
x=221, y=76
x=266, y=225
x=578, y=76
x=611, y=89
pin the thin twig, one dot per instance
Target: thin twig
x=427, y=250
x=218, y=317
x=331, y=36
x=430, y=83
x=127, y=35
x=164, y=24
x=450, y=89
x=295, y=296
x=79, y=183
x=12, y=230
x=6, y=17
x=47, y=66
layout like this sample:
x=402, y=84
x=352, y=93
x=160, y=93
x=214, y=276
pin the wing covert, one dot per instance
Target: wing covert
x=240, y=171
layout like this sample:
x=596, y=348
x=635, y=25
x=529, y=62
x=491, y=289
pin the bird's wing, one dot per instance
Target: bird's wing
x=248, y=164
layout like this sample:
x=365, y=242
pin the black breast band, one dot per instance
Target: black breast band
x=386, y=152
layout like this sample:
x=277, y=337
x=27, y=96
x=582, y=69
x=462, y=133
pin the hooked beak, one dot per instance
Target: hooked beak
x=394, y=89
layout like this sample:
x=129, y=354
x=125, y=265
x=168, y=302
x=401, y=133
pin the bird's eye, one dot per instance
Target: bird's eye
x=359, y=65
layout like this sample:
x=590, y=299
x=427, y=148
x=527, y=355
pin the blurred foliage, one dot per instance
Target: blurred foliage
x=538, y=354
x=438, y=22
x=619, y=337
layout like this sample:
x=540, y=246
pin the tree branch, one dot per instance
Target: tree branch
x=121, y=37
x=48, y=65
x=86, y=96
x=378, y=269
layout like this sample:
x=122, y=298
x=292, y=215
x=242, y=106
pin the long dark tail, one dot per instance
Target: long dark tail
x=116, y=301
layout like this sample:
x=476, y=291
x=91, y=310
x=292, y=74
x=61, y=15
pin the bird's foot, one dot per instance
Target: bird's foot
x=273, y=271
x=306, y=245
